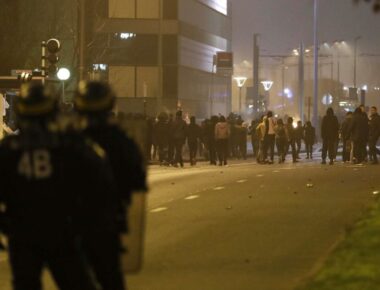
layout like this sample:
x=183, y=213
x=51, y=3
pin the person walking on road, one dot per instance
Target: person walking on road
x=179, y=138
x=222, y=134
x=299, y=132
x=309, y=137
x=269, y=138
x=291, y=139
x=359, y=133
x=374, y=133
x=330, y=136
x=193, y=137
x=346, y=137
x=280, y=140
x=260, y=132
x=161, y=130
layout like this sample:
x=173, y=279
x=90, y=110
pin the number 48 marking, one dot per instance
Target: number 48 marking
x=35, y=164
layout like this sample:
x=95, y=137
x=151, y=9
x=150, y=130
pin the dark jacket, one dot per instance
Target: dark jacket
x=298, y=131
x=374, y=126
x=178, y=130
x=290, y=133
x=359, y=128
x=330, y=127
x=161, y=131
x=193, y=133
x=309, y=135
x=345, y=129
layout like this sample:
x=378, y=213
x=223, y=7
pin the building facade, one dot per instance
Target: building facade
x=159, y=54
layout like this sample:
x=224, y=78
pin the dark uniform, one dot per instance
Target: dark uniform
x=95, y=100
x=52, y=187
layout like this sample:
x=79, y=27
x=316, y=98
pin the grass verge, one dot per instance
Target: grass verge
x=355, y=263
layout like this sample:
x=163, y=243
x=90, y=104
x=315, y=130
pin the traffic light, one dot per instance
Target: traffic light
x=52, y=46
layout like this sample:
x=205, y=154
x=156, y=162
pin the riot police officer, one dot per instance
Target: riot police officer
x=52, y=187
x=94, y=101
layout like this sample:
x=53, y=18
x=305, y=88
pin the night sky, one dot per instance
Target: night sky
x=284, y=23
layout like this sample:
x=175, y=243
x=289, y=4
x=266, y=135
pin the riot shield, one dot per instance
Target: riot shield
x=133, y=242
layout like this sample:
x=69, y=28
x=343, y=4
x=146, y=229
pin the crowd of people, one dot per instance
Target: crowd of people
x=219, y=138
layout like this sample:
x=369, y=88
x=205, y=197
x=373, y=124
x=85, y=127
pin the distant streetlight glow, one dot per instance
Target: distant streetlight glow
x=240, y=81
x=267, y=85
x=63, y=74
x=365, y=88
x=288, y=93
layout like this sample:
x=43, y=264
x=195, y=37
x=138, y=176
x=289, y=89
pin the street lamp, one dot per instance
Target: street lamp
x=240, y=81
x=355, y=57
x=63, y=75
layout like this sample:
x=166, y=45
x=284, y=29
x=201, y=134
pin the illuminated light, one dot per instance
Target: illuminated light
x=307, y=50
x=63, y=74
x=327, y=99
x=250, y=106
x=365, y=88
x=100, y=66
x=126, y=35
x=345, y=88
x=295, y=124
x=267, y=85
x=288, y=93
x=240, y=81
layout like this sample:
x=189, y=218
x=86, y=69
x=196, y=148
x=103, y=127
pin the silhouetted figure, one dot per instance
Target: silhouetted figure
x=330, y=135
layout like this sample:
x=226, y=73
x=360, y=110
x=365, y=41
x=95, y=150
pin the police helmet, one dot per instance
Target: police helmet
x=94, y=97
x=34, y=100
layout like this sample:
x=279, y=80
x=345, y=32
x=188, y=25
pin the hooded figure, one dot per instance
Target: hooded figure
x=330, y=135
x=359, y=134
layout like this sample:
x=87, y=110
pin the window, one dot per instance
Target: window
x=122, y=80
x=142, y=9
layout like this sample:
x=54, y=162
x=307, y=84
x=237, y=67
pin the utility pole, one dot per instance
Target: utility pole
x=301, y=80
x=283, y=85
x=315, y=103
x=256, y=81
x=355, y=57
x=81, y=36
x=160, y=59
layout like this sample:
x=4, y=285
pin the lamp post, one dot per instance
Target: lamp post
x=315, y=101
x=355, y=57
x=63, y=75
x=267, y=86
x=240, y=81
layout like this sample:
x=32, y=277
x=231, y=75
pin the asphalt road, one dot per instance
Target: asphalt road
x=245, y=226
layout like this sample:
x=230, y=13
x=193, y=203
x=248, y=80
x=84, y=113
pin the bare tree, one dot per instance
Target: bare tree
x=25, y=24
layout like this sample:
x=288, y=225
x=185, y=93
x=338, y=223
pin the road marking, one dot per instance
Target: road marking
x=275, y=171
x=259, y=175
x=160, y=209
x=191, y=197
x=219, y=188
x=242, y=181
